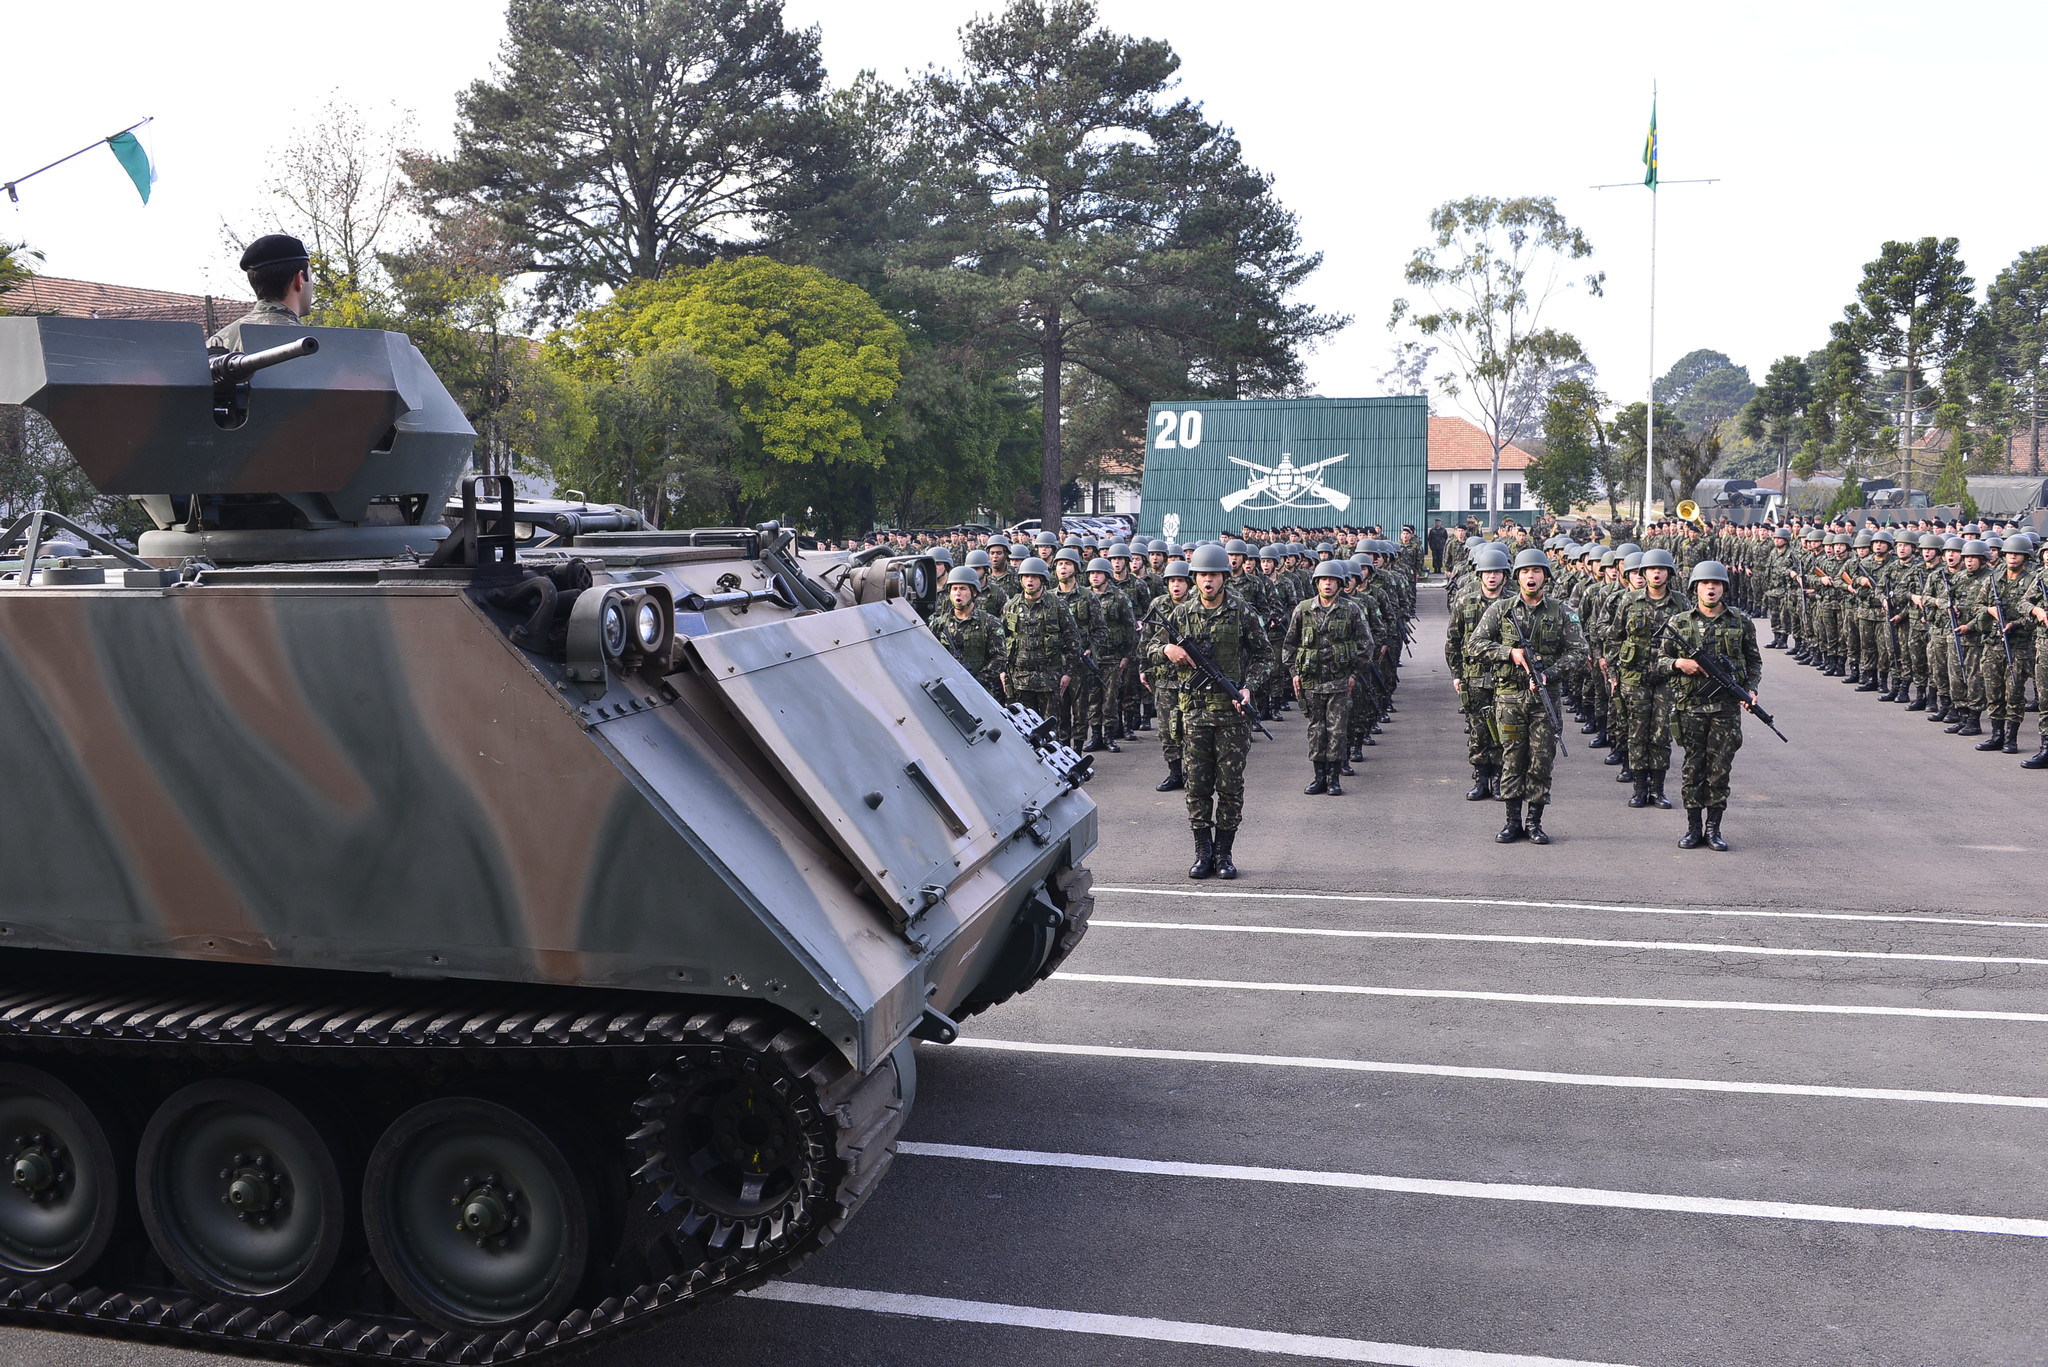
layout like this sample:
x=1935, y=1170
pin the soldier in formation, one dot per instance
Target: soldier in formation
x=1326, y=637
x=1706, y=716
x=966, y=630
x=1531, y=641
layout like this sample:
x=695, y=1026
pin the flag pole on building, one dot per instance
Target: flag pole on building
x=127, y=149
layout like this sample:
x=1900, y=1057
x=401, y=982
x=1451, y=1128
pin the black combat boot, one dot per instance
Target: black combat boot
x=1641, y=796
x=1482, y=789
x=1205, y=856
x=1599, y=741
x=1589, y=728
x=1109, y=743
x=1175, y=780
x=1692, y=839
x=1615, y=756
x=1224, y=868
x=1144, y=723
x=1919, y=700
x=1337, y=788
x=1869, y=683
x=1627, y=775
x=2039, y=759
x=1343, y=766
x=1938, y=710
x=1513, y=831
x=1537, y=835
x=1094, y=740
x=1905, y=690
x=1322, y=781
x=2012, y=737
x=1657, y=798
x=1994, y=741
x=1712, y=830
x=1965, y=724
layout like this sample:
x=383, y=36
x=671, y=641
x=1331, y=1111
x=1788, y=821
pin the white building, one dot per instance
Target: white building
x=1461, y=474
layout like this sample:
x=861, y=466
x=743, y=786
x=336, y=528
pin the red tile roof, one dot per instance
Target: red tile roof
x=91, y=299
x=1455, y=444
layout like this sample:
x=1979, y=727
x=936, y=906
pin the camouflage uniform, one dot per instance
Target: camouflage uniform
x=1482, y=742
x=268, y=312
x=1649, y=703
x=1321, y=650
x=1970, y=592
x=1163, y=678
x=1527, y=740
x=1215, y=735
x=1118, y=649
x=1083, y=698
x=975, y=640
x=1040, y=644
x=2005, y=681
x=1708, y=720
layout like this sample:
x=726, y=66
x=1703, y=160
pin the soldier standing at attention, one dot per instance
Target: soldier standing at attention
x=1217, y=732
x=2035, y=600
x=1707, y=718
x=279, y=271
x=1471, y=676
x=2005, y=676
x=973, y=637
x=1649, y=704
x=1528, y=737
x=1119, y=644
x=1041, y=647
x=1078, y=703
x=1326, y=636
x=1164, y=680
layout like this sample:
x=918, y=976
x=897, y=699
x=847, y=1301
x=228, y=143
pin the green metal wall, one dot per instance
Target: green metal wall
x=1377, y=449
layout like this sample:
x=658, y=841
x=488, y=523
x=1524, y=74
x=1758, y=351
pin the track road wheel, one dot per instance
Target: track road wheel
x=63, y=1194
x=240, y=1194
x=476, y=1215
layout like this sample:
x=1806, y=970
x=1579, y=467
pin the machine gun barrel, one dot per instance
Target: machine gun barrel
x=1539, y=684
x=1211, y=673
x=1721, y=674
x=238, y=366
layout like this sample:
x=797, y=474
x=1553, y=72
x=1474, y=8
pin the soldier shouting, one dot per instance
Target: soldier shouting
x=1216, y=731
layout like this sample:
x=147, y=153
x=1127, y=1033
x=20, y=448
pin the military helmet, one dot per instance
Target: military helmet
x=1234, y=546
x=1861, y=540
x=1068, y=553
x=1045, y=539
x=1329, y=546
x=1628, y=548
x=1490, y=558
x=942, y=554
x=1928, y=541
x=1176, y=569
x=1657, y=558
x=1707, y=569
x=1994, y=541
x=979, y=560
x=997, y=540
x=1100, y=563
x=1952, y=543
x=1532, y=559
x=1034, y=565
x=1329, y=569
x=1883, y=534
x=1119, y=551
x=1781, y=533
x=963, y=575
x=1974, y=529
x=1209, y=559
x=1631, y=562
x=1608, y=557
x=1296, y=548
x=1272, y=553
x=1976, y=548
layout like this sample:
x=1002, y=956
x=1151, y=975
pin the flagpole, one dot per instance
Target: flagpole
x=1650, y=387
x=15, y=198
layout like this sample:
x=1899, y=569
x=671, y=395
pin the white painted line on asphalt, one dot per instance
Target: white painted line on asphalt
x=1543, y=999
x=1575, y=906
x=1495, y=1191
x=1684, y=946
x=1348, y=1065
x=1137, y=1327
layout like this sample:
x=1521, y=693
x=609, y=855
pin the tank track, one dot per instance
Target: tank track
x=480, y=1027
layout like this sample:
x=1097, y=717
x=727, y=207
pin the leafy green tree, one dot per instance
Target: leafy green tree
x=621, y=139
x=1490, y=269
x=1776, y=413
x=1628, y=428
x=2016, y=312
x=1707, y=392
x=661, y=440
x=17, y=266
x=1088, y=223
x=1912, y=311
x=1574, y=443
x=1952, y=485
x=807, y=365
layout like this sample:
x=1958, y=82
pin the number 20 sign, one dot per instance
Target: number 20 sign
x=1176, y=431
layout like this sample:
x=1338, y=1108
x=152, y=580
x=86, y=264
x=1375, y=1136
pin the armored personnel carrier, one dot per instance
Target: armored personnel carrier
x=416, y=946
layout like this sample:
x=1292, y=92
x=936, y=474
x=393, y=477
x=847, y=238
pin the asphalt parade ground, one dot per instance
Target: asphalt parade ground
x=1403, y=1096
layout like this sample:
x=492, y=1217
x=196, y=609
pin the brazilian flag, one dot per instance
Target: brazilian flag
x=1650, y=150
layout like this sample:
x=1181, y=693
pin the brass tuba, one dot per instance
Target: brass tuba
x=1689, y=511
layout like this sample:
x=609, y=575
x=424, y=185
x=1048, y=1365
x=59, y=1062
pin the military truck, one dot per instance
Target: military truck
x=413, y=946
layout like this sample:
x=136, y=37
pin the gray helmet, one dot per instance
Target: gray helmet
x=1069, y=553
x=1119, y=551
x=1329, y=569
x=1658, y=558
x=1977, y=548
x=1883, y=534
x=1236, y=547
x=1272, y=553
x=997, y=540
x=1100, y=563
x=1490, y=557
x=1862, y=539
x=942, y=554
x=964, y=575
x=1628, y=548
x=1322, y=546
x=1034, y=565
x=979, y=560
x=1176, y=569
x=1707, y=569
x=1045, y=539
x=1928, y=541
x=1608, y=557
x=1533, y=559
x=1952, y=543
x=1209, y=559
x=1631, y=562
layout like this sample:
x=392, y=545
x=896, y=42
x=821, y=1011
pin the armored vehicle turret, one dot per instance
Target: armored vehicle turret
x=418, y=946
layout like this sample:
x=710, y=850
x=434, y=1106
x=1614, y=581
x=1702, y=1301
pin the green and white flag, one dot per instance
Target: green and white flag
x=134, y=159
x=1649, y=151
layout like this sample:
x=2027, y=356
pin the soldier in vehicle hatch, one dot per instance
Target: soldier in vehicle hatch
x=280, y=272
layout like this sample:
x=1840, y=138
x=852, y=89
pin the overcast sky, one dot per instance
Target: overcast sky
x=1833, y=126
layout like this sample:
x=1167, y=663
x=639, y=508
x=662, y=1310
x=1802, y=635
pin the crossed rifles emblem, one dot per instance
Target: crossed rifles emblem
x=1286, y=485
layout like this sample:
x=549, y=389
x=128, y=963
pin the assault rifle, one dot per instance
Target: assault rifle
x=1539, y=684
x=1998, y=616
x=1955, y=623
x=1207, y=671
x=1718, y=671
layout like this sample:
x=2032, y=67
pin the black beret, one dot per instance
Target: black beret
x=274, y=249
